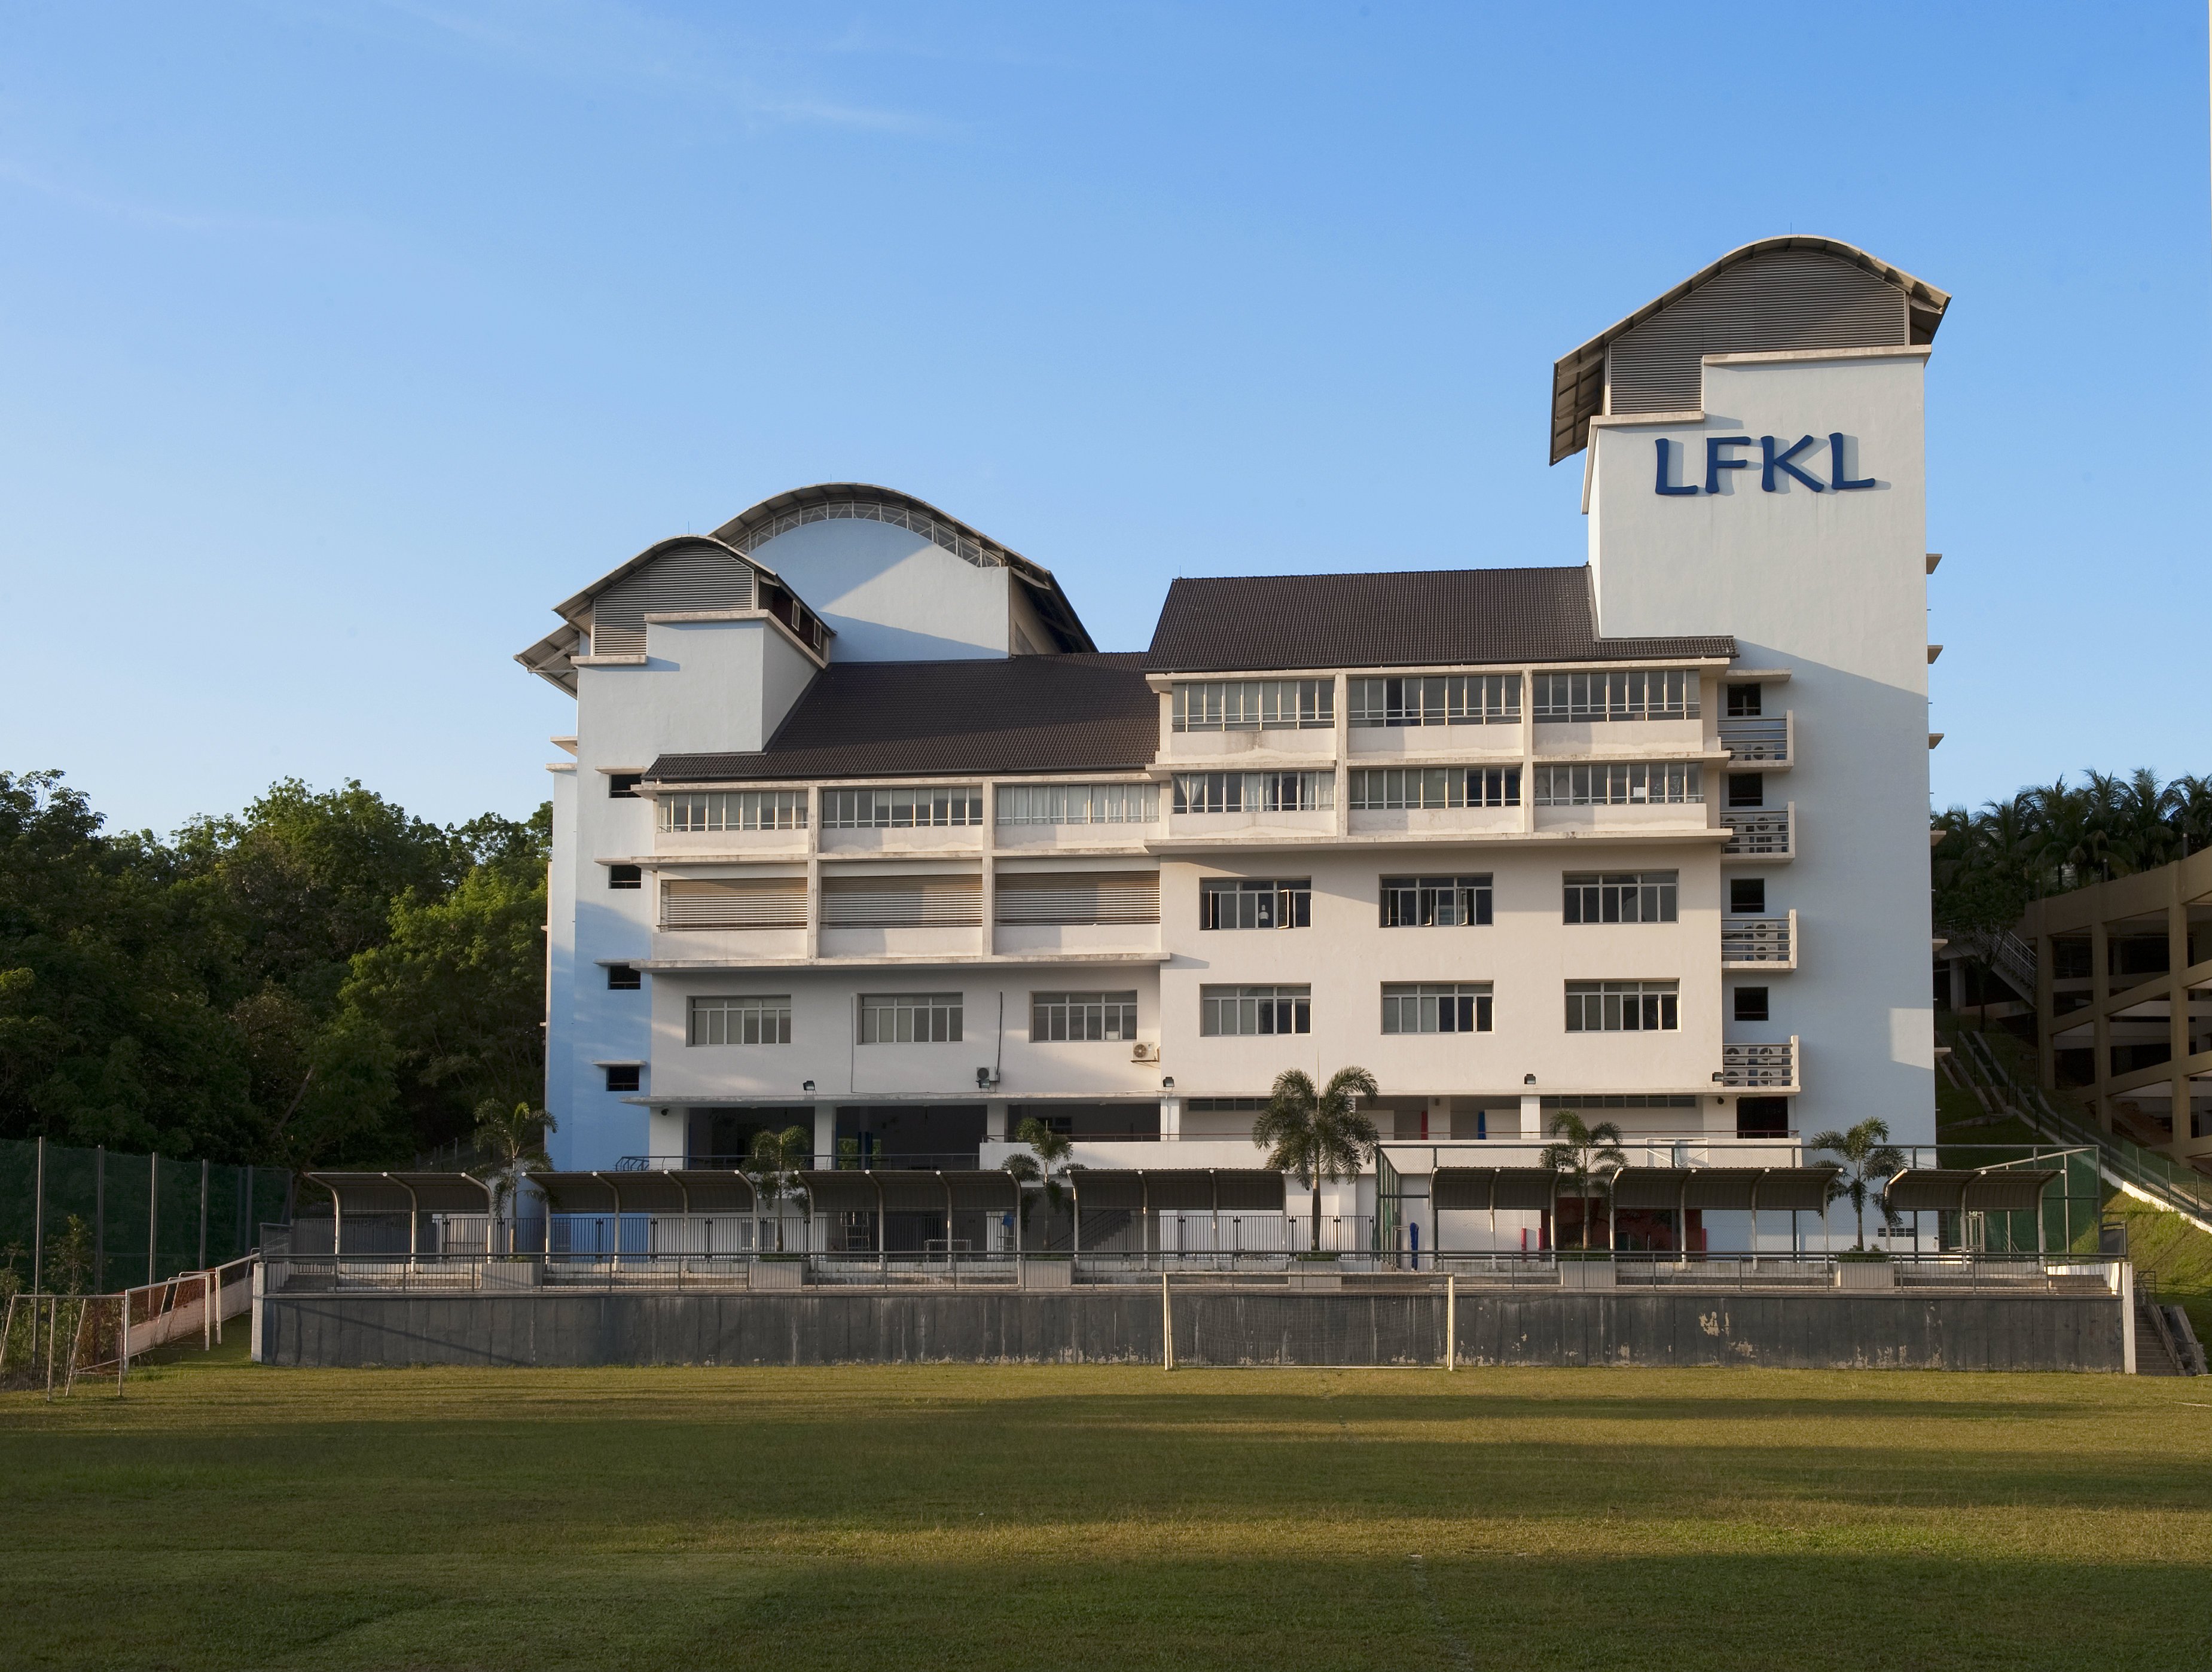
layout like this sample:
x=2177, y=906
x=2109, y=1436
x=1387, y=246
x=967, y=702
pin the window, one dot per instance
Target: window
x=1383, y=789
x=1747, y=895
x=1078, y=897
x=1751, y=1004
x=1622, y=1007
x=1620, y=783
x=1450, y=699
x=900, y=808
x=1762, y=1117
x=1461, y=1007
x=623, y=786
x=625, y=876
x=734, y=810
x=1255, y=705
x=1423, y=903
x=900, y=1019
x=1252, y=1010
x=1743, y=701
x=1251, y=904
x=1620, y=896
x=1055, y=1016
x=742, y=1020
x=1254, y=792
x=903, y=902
x=624, y=1076
x=1078, y=803
x=1747, y=789
x=624, y=978
x=1618, y=694
x=733, y=902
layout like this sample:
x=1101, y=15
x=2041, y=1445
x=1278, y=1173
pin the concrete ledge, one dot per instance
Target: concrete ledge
x=1817, y=1330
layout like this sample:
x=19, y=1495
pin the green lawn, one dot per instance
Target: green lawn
x=224, y=1515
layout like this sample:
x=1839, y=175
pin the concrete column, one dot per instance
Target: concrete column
x=825, y=1133
x=994, y=1119
x=2177, y=1005
x=1532, y=1116
x=2046, y=1049
x=1170, y=1116
x=2101, y=1026
x=1343, y=745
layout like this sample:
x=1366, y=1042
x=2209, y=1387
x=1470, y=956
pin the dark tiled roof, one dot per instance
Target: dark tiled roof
x=1411, y=618
x=1081, y=713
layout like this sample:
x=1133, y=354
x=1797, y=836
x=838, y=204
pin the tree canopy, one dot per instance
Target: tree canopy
x=320, y=978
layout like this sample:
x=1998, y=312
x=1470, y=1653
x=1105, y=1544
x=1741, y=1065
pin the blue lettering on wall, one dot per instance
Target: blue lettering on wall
x=1773, y=458
x=1716, y=461
x=1836, y=465
x=1780, y=461
x=1666, y=447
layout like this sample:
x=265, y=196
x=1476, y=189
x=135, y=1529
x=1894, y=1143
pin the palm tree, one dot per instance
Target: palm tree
x=1317, y=1135
x=1047, y=1163
x=772, y=1164
x=1869, y=1160
x=1588, y=1155
x=512, y=1143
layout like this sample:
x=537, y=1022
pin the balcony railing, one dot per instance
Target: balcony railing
x=1762, y=1067
x=1760, y=943
x=1769, y=833
x=1768, y=739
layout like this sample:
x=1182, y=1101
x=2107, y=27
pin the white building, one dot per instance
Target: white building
x=861, y=832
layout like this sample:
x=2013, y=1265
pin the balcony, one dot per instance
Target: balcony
x=1768, y=833
x=1760, y=1067
x=1770, y=741
x=1760, y=943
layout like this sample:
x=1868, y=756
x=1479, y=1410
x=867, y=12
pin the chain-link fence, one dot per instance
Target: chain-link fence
x=143, y=1217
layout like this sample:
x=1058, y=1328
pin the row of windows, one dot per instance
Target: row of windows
x=1591, y=897
x=1446, y=699
x=1224, y=1012
x=1370, y=789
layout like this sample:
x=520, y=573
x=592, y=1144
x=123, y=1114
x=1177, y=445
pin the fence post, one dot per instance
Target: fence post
x=100, y=1218
x=38, y=1223
x=152, y=1210
x=204, y=1185
x=1451, y=1322
x=1167, y=1326
x=122, y=1340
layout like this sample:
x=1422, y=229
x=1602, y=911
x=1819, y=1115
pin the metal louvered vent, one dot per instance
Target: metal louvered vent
x=1063, y=897
x=901, y=902
x=701, y=577
x=1788, y=301
x=746, y=902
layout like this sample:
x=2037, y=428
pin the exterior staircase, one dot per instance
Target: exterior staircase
x=1974, y=1066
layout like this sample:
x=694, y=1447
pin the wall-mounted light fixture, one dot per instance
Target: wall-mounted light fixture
x=1528, y=1079
x=1167, y=1082
x=808, y=1088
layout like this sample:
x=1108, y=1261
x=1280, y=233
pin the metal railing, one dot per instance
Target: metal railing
x=1765, y=739
x=2121, y=1160
x=1766, y=833
x=1756, y=941
x=1757, y=1066
x=1570, y=1269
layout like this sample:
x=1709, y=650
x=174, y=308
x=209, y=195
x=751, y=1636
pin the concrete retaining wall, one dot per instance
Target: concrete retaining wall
x=1984, y=1331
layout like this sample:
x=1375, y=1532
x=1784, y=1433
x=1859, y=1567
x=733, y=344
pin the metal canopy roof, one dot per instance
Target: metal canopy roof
x=405, y=1193
x=696, y=1191
x=1781, y=1189
x=1179, y=1190
x=1578, y=378
x=1999, y=1190
x=908, y=1190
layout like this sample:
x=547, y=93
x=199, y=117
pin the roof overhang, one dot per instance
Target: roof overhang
x=1578, y=378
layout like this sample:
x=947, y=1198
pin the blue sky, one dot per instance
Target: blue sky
x=338, y=341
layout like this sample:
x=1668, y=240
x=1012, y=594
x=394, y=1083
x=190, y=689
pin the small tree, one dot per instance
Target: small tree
x=69, y=1258
x=1869, y=1160
x=774, y=1164
x=1047, y=1166
x=1588, y=1156
x=1317, y=1135
x=512, y=1140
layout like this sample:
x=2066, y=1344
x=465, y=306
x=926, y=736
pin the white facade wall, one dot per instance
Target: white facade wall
x=1831, y=587
x=892, y=595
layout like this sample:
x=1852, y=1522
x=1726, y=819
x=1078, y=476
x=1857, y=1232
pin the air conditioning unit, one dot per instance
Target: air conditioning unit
x=1144, y=1052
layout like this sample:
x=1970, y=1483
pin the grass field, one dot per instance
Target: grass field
x=225, y=1515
